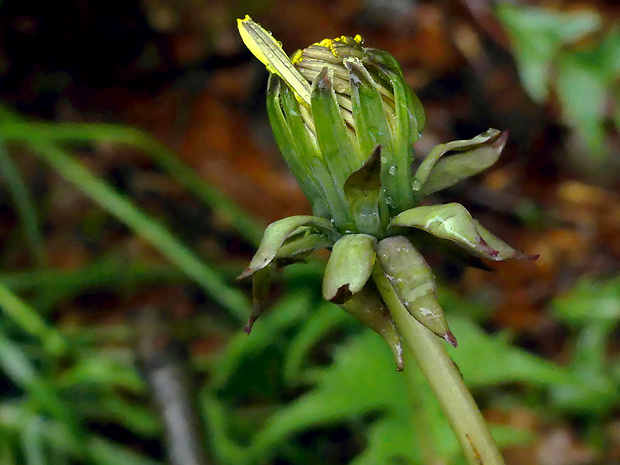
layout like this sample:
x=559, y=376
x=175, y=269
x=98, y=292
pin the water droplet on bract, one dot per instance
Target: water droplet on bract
x=392, y=170
x=384, y=160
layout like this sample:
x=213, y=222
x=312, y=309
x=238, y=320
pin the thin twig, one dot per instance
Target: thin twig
x=167, y=372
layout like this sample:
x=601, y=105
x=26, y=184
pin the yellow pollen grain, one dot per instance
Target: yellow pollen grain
x=297, y=57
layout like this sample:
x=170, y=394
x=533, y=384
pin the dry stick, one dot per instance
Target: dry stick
x=165, y=367
x=445, y=380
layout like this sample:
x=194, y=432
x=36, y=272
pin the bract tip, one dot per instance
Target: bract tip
x=248, y=327
x=450, y=339
x=245, y=274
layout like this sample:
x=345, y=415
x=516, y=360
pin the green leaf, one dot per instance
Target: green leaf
x=275, y=235
x=414, y=283
x=362, y=190
x=452, y=169
x=323, y=319
x=415, y=431
x=407, y=421
x=593, y=308
x=549, y=49
x=538, y=36
x=589, y=302
x=593, y=390
x=391, y=440
x=424, y=171
x=101, y=371
x=453, y=222
x=361, y=379
x=585, y=85
x=284, y=315
x=584, y=385
x=349, y=267
x=582, y=91
x=488, y=360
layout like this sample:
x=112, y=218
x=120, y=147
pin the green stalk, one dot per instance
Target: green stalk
x=444, y=378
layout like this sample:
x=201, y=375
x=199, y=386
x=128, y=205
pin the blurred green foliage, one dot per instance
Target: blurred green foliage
x=574, y=56
x=361, y=385
x=252, y=411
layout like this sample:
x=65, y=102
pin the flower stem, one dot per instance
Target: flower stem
x=444, y=378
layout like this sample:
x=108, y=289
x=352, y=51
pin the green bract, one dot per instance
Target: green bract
x=345, y=121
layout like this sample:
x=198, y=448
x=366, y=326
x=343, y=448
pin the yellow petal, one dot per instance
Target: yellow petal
x=269, y=51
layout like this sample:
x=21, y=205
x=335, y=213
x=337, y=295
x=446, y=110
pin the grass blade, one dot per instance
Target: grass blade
x=30, y=321
x=21, y=371
x=243, y=223
x=148, y=229
x=24, y=205
x=33, y=444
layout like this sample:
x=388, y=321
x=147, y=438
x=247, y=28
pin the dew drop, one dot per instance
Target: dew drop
x=392, y=170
